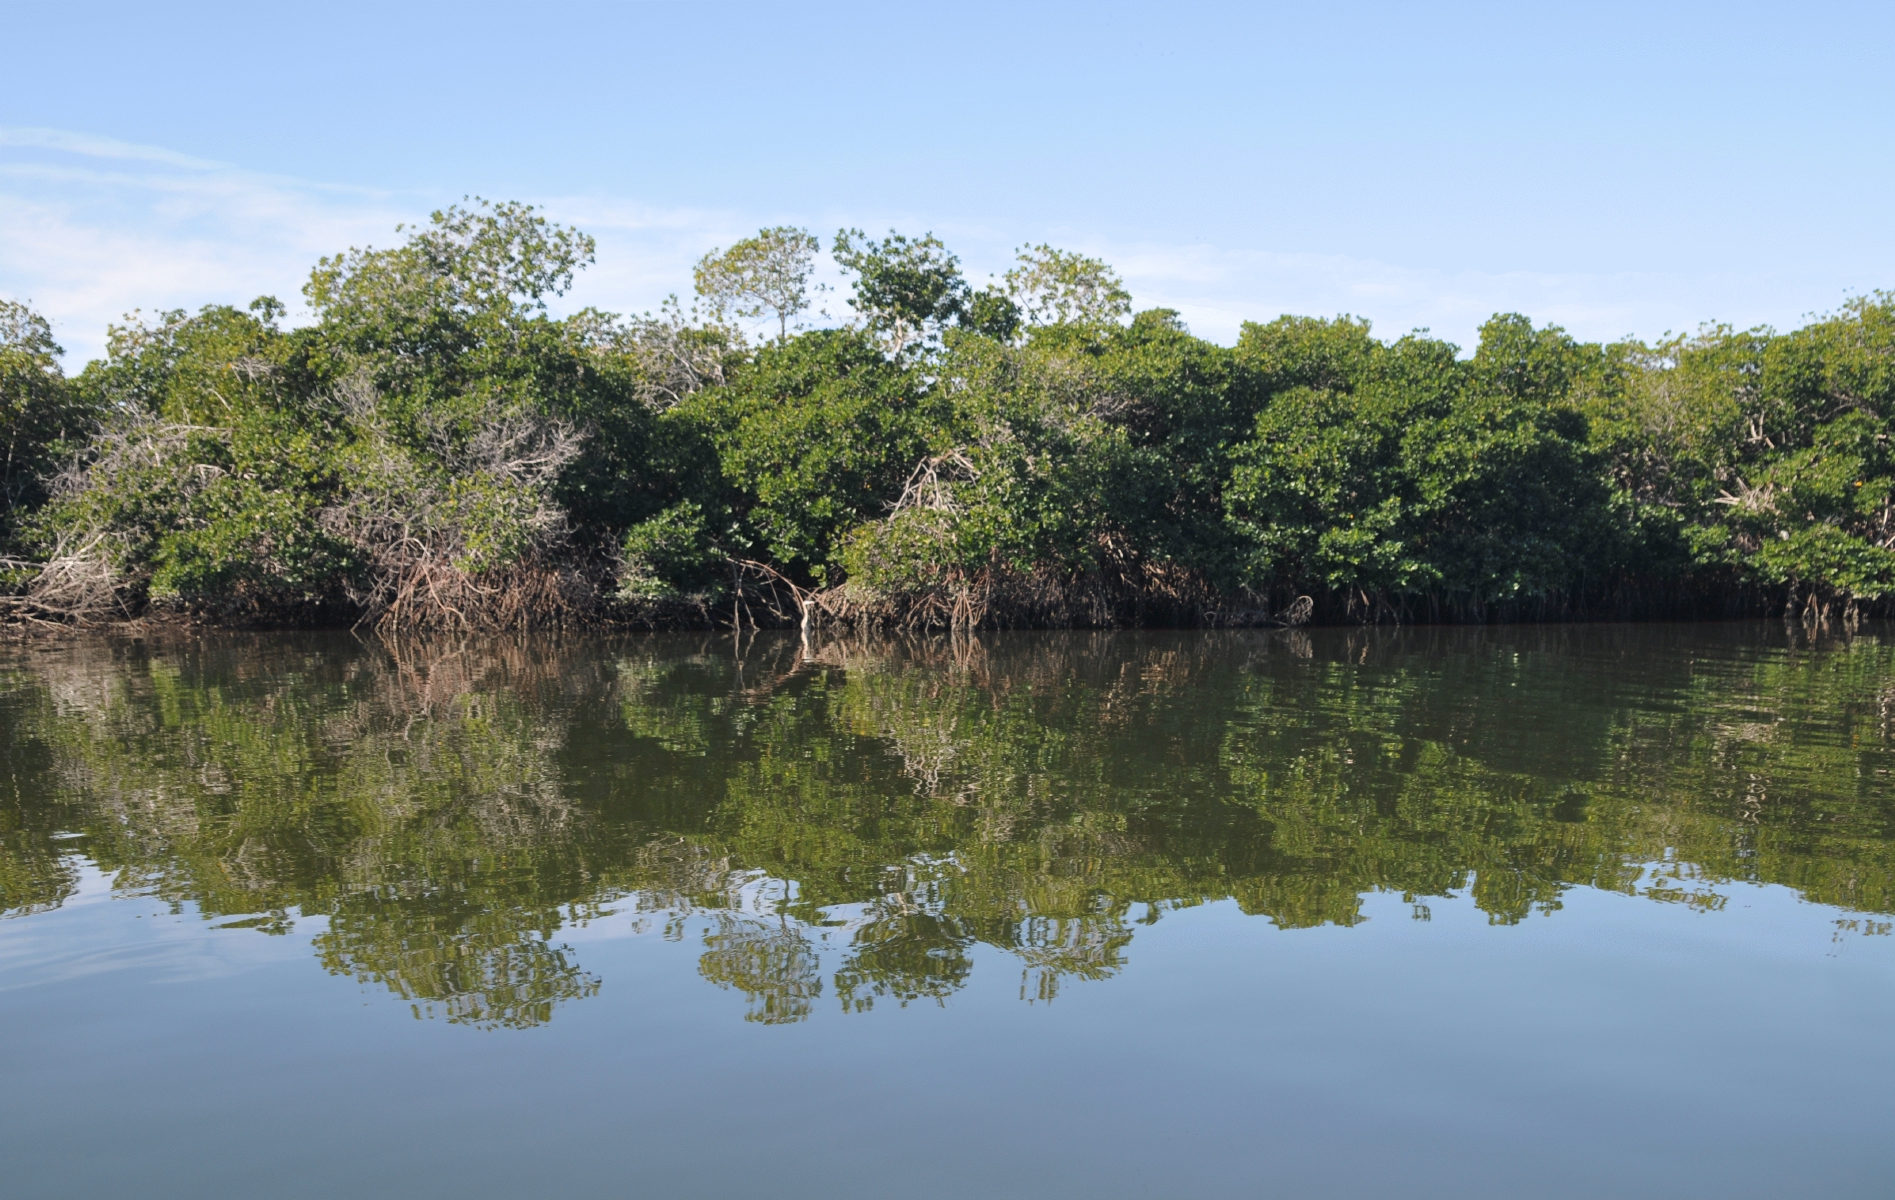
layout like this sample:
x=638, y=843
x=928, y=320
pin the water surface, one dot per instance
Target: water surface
x=1541, y=912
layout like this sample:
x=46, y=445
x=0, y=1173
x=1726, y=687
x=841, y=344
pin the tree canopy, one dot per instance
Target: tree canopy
x=438, y=448
x=766, y=275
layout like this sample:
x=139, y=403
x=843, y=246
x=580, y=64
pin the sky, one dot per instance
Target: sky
x=1619, y=170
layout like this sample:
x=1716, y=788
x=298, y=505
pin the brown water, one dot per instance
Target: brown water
x=1538, y=912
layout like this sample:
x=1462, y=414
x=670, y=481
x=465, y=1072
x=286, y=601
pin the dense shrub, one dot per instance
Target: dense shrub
x=437, y=448
x=43, y=419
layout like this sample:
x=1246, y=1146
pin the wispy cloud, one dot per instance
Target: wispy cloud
x=645, y=252
x=91, y=228
x=1217, y=289
x=93, y=146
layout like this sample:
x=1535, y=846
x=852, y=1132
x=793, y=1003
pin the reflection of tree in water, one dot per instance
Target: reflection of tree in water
x=769, y=960
x=38, y=872
x=905, y=957
x=865, y=817
x=477, y=975
x=1056, y=948
x=411, y=798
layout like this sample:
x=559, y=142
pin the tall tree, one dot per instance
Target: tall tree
x=763, y=275
x=1058, y=287
x=907, y=289
x=40, y=417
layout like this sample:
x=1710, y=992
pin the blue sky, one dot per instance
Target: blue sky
x=1618, y=169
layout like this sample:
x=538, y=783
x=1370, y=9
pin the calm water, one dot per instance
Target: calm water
x=1532, y=912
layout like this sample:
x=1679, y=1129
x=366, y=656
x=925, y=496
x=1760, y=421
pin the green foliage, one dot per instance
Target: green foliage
x=437, y=448
x=207, y=478
x=1057, y=287
x=991, y=313
x=1401, y=470
x=907, y=289
x=764, y=275
x=491, y=261
x=1025, y=477
x=433, y=428
x=1185, y=406
x=815, y=435
x=43, y=420
x=672, y=554
x=1770, y=451
x=1320, y=492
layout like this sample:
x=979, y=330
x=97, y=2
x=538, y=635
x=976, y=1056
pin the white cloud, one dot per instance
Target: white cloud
x=91, y=228
x=645, y=253
x=1216, y=290
x=93, y=146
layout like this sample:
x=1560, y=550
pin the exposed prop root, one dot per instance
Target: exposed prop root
x=77, y=586
x=427, y=594
x=998, y=598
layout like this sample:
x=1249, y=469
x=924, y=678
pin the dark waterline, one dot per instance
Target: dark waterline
x=1539, y=911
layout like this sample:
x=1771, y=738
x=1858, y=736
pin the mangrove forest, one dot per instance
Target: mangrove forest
x=434, y=448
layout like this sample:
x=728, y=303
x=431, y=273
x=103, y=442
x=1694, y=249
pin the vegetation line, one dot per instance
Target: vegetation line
x=436, y=451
